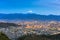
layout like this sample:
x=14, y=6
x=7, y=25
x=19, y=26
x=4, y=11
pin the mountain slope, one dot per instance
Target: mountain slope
x=29, y=17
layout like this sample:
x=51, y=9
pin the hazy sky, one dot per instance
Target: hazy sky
x=44, y=7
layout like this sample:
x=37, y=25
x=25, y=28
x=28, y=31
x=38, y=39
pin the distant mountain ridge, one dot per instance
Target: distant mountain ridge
x=20, y=16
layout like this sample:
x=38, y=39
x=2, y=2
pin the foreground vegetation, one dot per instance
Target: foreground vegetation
x=32, y=37
x=3, y=37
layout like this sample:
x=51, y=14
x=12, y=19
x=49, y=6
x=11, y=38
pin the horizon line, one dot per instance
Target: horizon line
x=30, y=13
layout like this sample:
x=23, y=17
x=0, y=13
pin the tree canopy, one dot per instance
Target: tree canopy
x=3, y=36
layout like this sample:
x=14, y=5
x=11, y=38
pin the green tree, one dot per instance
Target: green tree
x=3, y=36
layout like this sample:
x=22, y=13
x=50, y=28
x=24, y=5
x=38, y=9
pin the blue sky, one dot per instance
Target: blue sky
x=44, y=7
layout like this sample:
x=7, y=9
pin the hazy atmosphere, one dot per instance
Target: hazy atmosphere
x=44, y=7
x=29, y=19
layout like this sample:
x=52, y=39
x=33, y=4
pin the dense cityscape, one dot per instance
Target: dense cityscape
x=15, y=30
x=29, y=19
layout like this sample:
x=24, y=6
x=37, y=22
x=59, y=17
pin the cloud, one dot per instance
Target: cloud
x=48, y=6
x=48, y=3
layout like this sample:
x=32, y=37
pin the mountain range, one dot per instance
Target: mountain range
x=29, y=16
